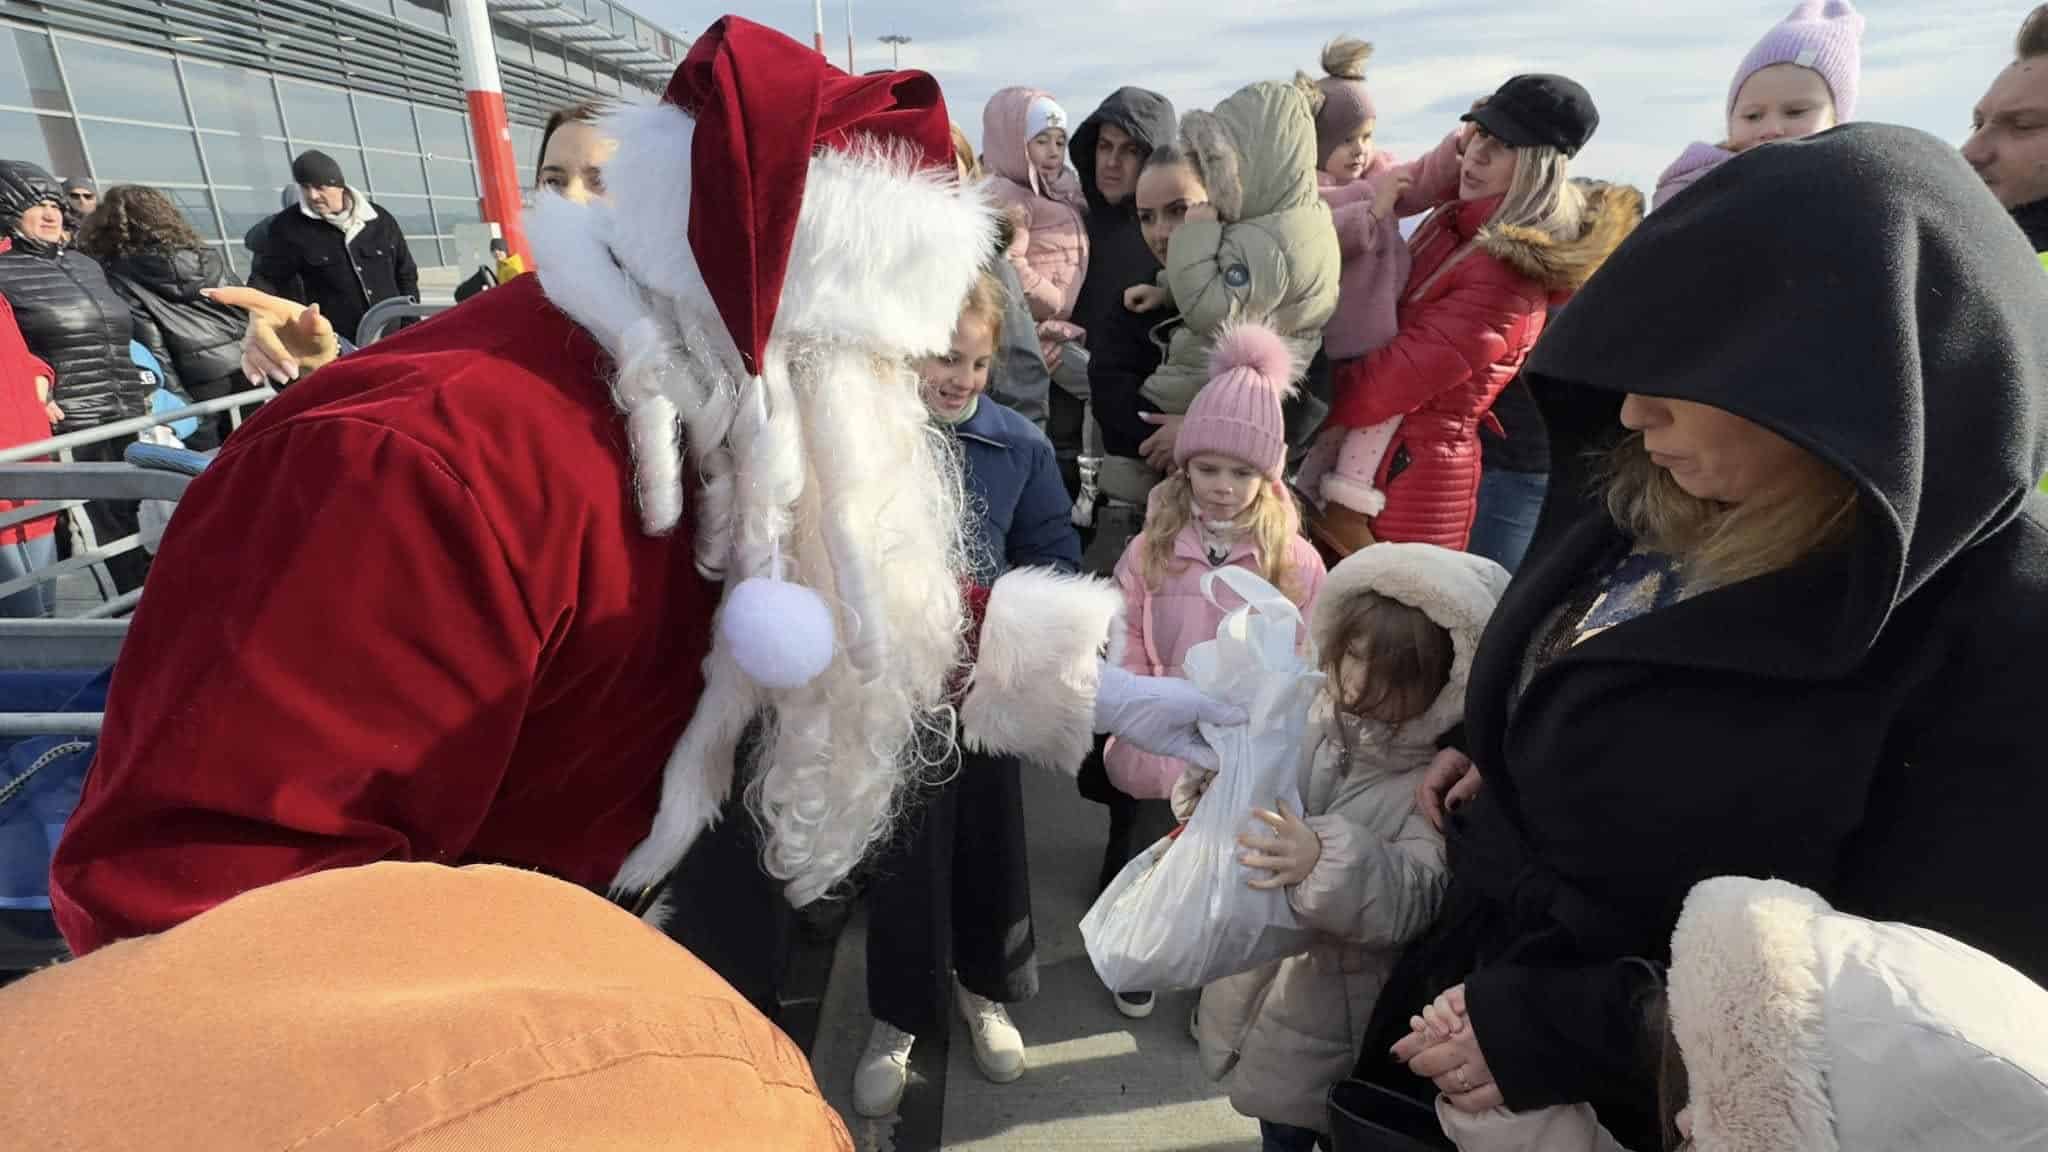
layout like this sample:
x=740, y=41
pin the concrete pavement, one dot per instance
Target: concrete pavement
x=1094, y=1081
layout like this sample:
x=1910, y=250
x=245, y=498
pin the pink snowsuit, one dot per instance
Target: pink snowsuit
x=1050, y=249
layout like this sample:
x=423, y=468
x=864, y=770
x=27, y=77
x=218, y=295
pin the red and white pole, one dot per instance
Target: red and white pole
x=489, y=130
x=818, y=9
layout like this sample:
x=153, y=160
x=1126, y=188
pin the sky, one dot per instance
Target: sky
x=1659, y=70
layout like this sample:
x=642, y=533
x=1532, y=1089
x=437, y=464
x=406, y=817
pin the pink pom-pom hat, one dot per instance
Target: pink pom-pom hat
x=1237, y=414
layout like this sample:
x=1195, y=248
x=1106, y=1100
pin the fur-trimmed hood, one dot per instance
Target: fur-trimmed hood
x=1456, y=589
x=1256, y=153
x=1564, y=266
x=1808, y=1030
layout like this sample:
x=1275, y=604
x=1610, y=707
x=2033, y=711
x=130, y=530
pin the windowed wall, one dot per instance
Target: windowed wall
x=219, y=137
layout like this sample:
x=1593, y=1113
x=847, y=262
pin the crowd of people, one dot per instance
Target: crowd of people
x=1669, y=571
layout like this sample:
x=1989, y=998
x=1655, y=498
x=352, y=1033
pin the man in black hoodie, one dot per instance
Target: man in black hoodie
x=1108, y=149
x=2008, y=143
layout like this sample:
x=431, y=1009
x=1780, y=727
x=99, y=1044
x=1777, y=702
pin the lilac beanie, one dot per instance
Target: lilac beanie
x=1825, y=36
x=1237, y=414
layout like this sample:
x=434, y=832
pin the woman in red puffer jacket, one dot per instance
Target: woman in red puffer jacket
x=1487, y=268
x=26, y=414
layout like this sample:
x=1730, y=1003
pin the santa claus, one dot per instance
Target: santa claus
x=441, y=602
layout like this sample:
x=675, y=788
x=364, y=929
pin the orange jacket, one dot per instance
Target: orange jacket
x=402, y=1008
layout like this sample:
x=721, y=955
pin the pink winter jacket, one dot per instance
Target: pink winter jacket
x=1696, y=161
x=1376, y=258
x=1050, y=249
x=1160, y=627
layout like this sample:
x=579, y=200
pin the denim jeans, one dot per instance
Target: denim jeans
x=1509, y=503
x=1286, y=1138
x=18, y=560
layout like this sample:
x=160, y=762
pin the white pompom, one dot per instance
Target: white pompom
x=779, y=633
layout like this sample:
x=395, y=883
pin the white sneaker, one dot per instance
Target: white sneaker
x=883, y=1070
x=1134, y=1005
x=998, y=1048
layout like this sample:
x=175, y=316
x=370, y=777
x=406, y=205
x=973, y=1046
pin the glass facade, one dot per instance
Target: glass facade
x=219, y=137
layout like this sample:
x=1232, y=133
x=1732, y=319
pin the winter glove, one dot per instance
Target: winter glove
x=1160, y=714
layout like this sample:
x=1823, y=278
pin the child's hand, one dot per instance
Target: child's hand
x=1290, y=855
x=1019, y=219
x=1144, y=297
x=1389, y=191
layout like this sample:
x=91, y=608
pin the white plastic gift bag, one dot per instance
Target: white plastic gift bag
x=1183, y=913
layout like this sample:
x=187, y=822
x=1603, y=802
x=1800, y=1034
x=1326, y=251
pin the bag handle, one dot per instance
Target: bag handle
x=1262, y=597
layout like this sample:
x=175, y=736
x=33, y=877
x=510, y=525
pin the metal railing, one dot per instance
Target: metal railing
x=385, y=314
x=47, y=487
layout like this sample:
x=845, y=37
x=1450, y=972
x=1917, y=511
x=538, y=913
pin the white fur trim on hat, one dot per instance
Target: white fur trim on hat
x=1457, y=590
x=1032, y=691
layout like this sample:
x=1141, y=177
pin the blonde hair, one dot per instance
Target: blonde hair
x=964, y=161
x=1542, y=197
x=1720, y=544
x=1345, y=57
x=985, y=302
x=1272, y=521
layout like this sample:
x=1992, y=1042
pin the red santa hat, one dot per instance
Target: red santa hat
x=778, y=239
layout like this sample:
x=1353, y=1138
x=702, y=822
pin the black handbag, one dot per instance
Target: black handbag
x=1365, y=1117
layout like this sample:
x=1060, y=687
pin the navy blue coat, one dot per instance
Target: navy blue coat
x=1020, y=507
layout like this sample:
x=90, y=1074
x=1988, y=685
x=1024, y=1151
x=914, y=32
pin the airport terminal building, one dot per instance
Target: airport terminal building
x=210, y=99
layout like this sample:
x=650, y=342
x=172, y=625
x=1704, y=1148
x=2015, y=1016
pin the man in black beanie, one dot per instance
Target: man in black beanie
x=334, y=248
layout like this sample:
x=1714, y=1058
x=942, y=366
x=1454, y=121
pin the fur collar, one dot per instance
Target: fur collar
x=1612, y=212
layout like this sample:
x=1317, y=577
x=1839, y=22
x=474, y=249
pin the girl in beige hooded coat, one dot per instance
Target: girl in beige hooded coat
x=1397, y=626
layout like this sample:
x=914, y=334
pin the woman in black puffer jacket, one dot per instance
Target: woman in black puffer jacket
x=159, y=266
x=71, y=317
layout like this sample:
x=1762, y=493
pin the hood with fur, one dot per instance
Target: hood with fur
x=1564, y=265
x=1456, y=589
x=1256, y=152
x=1808, y=1030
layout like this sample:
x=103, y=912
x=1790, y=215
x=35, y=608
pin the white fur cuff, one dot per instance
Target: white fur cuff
x=1363, y=499
x=1032, y=690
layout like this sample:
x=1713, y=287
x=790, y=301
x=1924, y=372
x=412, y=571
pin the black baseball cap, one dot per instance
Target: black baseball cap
x=1539, y=109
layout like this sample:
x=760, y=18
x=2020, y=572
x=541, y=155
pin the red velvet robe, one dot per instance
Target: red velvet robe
x=408, y=614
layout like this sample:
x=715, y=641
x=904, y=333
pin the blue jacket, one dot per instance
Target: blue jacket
x=1019, y=505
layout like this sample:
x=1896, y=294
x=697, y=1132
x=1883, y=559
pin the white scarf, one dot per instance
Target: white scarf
x=350, y=219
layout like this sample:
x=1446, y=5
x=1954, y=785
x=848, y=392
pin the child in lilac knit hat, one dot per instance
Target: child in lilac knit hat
x=1800, y=79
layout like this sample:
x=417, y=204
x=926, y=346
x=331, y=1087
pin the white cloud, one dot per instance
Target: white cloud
x=1658, y=70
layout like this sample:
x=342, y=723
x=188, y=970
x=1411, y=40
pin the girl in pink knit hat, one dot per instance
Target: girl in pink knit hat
x=1801, y=78
x=1223, y=505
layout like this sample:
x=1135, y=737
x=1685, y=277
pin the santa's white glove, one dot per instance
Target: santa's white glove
x=1160, y=714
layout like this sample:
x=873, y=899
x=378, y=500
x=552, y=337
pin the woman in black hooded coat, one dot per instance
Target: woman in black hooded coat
x=1854, y=716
